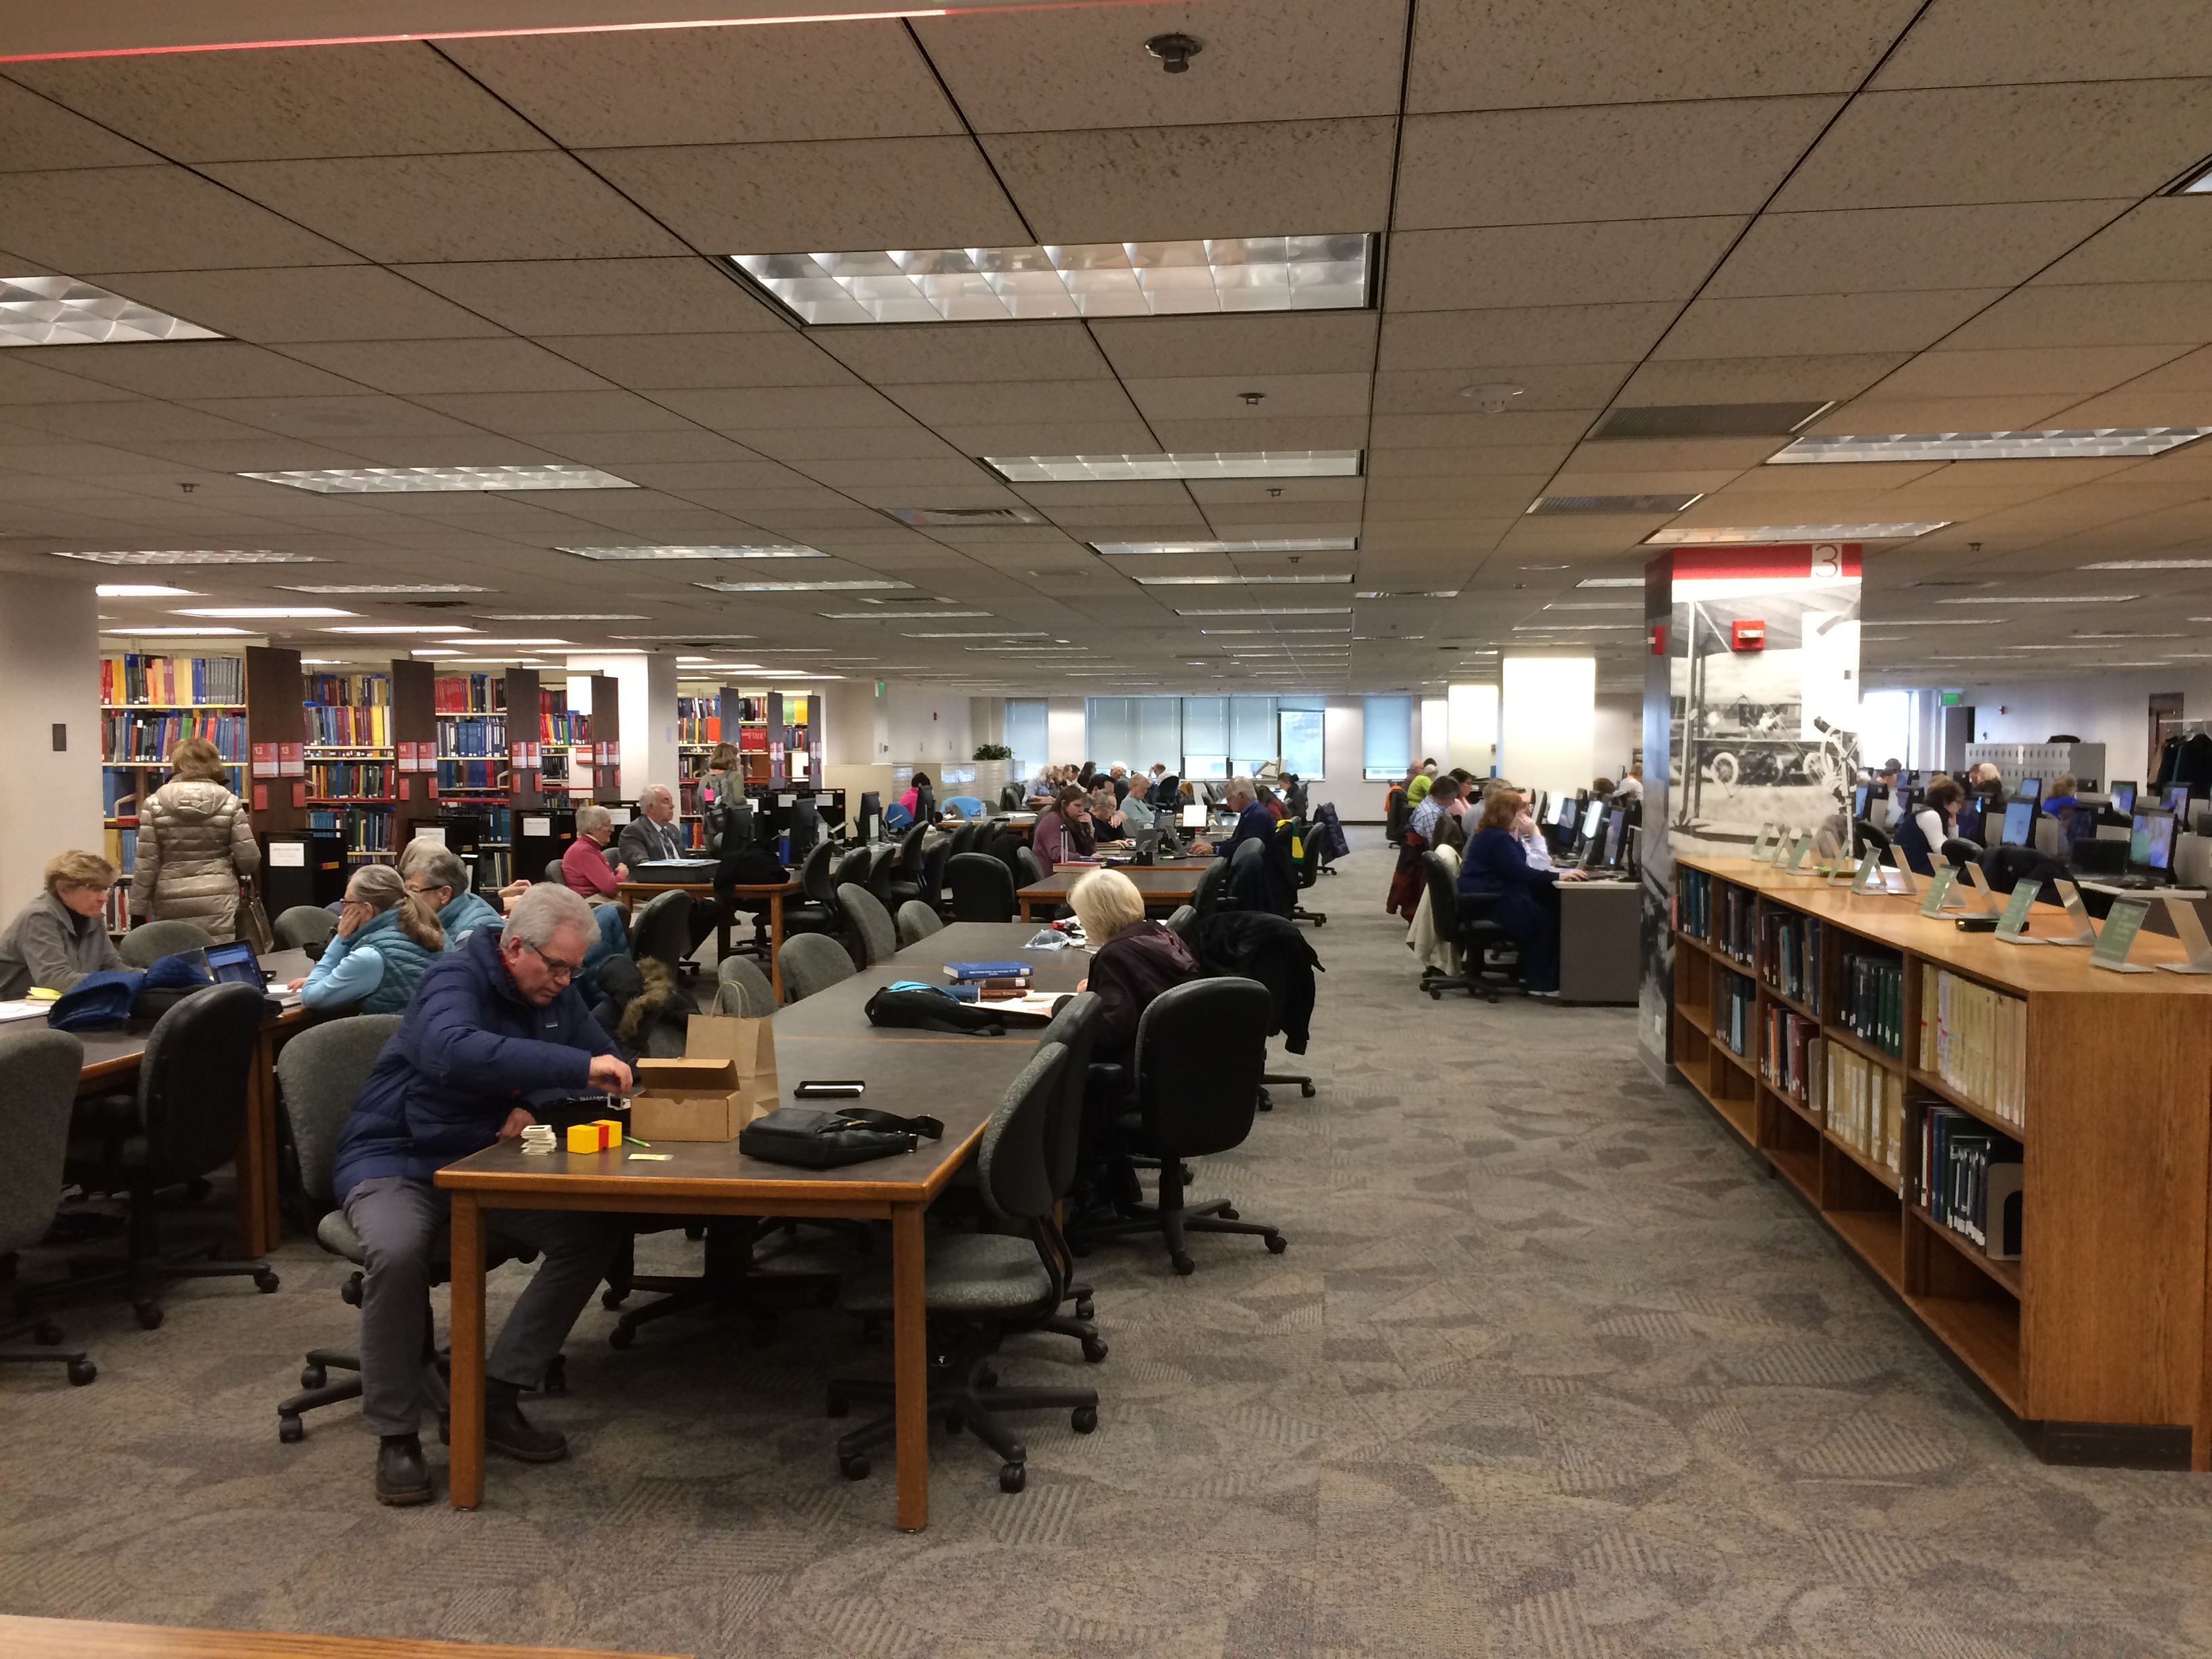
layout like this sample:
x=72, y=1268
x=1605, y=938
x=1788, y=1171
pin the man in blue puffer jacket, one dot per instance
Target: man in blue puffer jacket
x=494, y=1027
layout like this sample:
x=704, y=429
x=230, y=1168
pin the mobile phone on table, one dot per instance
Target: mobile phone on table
x=844, y=1089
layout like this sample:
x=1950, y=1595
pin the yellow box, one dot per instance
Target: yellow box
x=613, y=1127
x=585, y=1138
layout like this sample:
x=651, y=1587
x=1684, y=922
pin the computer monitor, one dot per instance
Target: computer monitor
x=2093, y=855
x=1564, y=817
x=1593, y=820
x=2150, y=840
x=1543, y=800
x=2019, y=824
x=1632, y=850
x=2175, y=799
x=804, y=820
x=234, y=964
x=2030, y=789
x=1616, y=826
x=1192, y=817
x=2124, y=797
x=871, y=814
x=1860, y=797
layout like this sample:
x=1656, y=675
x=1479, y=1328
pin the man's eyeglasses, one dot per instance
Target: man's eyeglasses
x=553, y=965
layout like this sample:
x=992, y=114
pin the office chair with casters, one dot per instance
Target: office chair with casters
x=1466, y=917
x=982, y=888
x=1961, y=852
x=1200, y=1049
x=1309, y=872
x=908, y=871
x=979, y=1286
x=1074, y=1027
x=1866, y=835
x=969, y=806
x=882, y=863
x=932, y=872
x=181, y=1124
x=875, y=934
x=1010, y=797
x=1027, y=867
x=1182, y=922
x=896, y=818
x=1212, y=882
x=661, y=931
x=916, y=920
x=149, y=941
x=302, y=925
x=554, y=875
x=743, y=985
x=811, y=963
x=38, y=1071
x=816, y=912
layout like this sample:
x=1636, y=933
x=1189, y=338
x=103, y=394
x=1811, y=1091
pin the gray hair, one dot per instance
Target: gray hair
x=656, y=792
x=545, y=910
x=1243, y=786
x=436, y=863
x=591, y=816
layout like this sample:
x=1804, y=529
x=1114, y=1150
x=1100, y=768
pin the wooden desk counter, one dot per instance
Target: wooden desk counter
x=776, y=893
x=1160, y=884
x=958, y=1079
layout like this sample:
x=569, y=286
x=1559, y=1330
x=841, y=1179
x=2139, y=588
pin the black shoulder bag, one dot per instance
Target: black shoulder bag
x=811, y=1139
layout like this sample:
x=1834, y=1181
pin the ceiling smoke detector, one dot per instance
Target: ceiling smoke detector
x=1490, y=399
x=1175, y=52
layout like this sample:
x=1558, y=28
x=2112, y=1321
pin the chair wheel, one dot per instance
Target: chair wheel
x=349, y=1292
x=1229, y=1212
x=47, y=1336
x=1277, y=1243
x=611, y=1298
x=266, y=1282
x=827, y=1295
x=621, y=1337
x=1084, y=1418
x=1436, y=996
x=1306, y=1090
x=198, y=1189
x=1013, y=1477
x=1093, y=1350
x=149, y=1315
x=82, y=1371
x=289, y=1430
x=556, y=1375
x=313, y=1377
x=840, y=1406
x=1080, y=1247
x=1084, y=1310
x=853, y=1468
x=1183, y=1265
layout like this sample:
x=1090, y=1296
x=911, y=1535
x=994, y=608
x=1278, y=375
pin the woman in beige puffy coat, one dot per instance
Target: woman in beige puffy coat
x=195, y=843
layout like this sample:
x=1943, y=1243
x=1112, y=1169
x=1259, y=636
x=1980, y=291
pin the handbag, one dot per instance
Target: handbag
x=253, y=920
x=810, y=1139
x=932, y=1008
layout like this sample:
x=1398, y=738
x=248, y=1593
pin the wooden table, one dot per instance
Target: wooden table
x=1162, y=884
x=958, y=1079
x=628, y=891
x=85, y=1638
x=111, y=1066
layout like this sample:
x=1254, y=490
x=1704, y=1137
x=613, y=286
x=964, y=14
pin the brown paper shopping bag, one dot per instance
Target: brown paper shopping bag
x=748, y=1043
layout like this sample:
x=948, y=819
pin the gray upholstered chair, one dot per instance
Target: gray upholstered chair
x=553, y=876
x=978, y=1286
x=1028, y=867
x=752, y=996
x=38, y=1071
x=916, y=920
x=661, y=931
x=149, y=941
x=982, y=888
x=871, y=922
x=811, y=963
x=303, y=924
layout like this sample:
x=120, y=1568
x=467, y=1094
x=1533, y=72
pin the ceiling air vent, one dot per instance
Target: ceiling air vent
x=1613, y=503
x=1710, y=420
x=437, y=604
x=924, y=517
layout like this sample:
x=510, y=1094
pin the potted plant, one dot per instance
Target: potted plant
x=994, y=762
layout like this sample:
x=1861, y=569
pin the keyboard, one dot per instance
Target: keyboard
x=2131, y=882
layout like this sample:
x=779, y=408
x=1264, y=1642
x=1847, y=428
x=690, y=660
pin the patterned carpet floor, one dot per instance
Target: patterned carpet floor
x=1550, y=1368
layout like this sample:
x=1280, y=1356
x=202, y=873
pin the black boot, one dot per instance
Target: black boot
x=506, y=1430
x=402, y=1476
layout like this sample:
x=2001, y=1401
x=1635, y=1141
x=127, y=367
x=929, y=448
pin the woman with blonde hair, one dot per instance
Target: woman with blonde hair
x=1131, y=960
x=387, y=935
x=61, y=936
x=195, y=845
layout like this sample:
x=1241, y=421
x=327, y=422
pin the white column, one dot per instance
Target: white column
x=648, y=714
x=1432, y=726
x=49, y=679
x=1547, y=724
x=1472, y=724
x=1066, y=730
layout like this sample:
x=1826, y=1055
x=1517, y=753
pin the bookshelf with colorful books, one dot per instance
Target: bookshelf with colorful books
x=352, y=770
x=148, y=705
x=2017, y=1143
x=472, y=738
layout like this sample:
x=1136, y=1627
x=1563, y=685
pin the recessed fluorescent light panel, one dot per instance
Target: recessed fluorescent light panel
x=2111, y=564
x=886, y=616
x=694, y=634
x=1087, y=279
x=401, y=628
x=925, y=518
x=189, y=633
x=1152, y=469
x=1742, y=535
x=1408, y=594
x=142, y=591
x=1275, y=610
x=2044, y=598
x=619, y=553
x=1293, y=544
x=1549, y=504
x=200, y=555
x=1595, y=605
x=2198, y=183
x=61, y=311
x=1237, y=582
x=558, y=616
x=1611, y=581
x=793, y=588
x=2058, y=445
x=1344, y=628
x=409, y=480
x=991, y=634
x=268, y=612
x=385, y=587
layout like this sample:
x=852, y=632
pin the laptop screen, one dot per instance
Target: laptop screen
x=234, y=964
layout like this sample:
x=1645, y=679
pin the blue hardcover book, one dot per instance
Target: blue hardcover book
x=966, y=970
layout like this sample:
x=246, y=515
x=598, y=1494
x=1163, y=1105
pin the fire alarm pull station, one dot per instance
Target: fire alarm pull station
x=1747, y=635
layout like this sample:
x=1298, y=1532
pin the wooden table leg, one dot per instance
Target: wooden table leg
x=776, y=945
x=258, y=1224
x=464, y=1477
x=909, y=1367
x=1025, y=910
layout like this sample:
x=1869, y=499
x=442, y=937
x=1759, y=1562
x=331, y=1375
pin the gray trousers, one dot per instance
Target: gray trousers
x=400, y=1223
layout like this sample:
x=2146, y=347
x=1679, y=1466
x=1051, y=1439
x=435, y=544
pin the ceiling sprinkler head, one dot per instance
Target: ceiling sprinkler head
x=1175, y=52
x=1490, y=399
x=1252, y=398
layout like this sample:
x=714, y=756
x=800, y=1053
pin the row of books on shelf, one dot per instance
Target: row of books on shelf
x=469, y=694
x=564, y=727
x=171, y=680
x=472, y=774
x=698, y=719
x=1790, y=953
x=344, y=725
x=1975, y=1039
x=364, y=829
x=136, y=740
x=463, y=737
x=359, y=779
x=122, y=848
x=116, y=912
x=1692, y=903
x=1788, y=1047
x=1734, y=922
x=1970, y=1181
x=1735, y=1010
x=361, y=689
x=1862, y=1103
x=1871, y=1006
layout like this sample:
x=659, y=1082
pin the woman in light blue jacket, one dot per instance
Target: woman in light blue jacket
x=386, y=937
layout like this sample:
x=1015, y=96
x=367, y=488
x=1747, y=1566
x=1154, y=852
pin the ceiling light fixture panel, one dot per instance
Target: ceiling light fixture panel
x=1085, y=279
x=1238, y=582
x=384, y=587
x=267, y=612
x=1282, y=544
x=1408, y=594
x=1275, y=610
x=142, y=591
x=888, y=616
x=1769, y=534
x=416, y=480
x=624, y=554
x=199, y=555
x=2059, y=444
x=2042, y=599
x=558, y=616
x=1196, y=464
x=1611, y=581
x=2151, y=564
x=187, y=633
x=796, y=587
x=47, y=311
x=1546, y=505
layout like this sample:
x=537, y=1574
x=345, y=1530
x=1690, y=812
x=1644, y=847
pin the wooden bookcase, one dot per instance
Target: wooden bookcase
x=2100, y=1330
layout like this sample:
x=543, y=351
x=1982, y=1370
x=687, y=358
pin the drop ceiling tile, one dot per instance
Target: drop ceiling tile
x=533, y=205
x=1702, y=456
x=754, y=501
x=1265, y=179
x=334, y=419
x=1263, y=60
x=2033, y=144
x=2166, y=239
x=308, y=303
x=678, y=85
x=384, y=100
x=553, y=412
x=615, y=298
x=1822, y=322
x=1543, y=388
x=801, y=444
x=1247, y=433
x=892, y=354
x=681, y=446
x=1128, y=437
x=450, y=443
x=1285, y=393
x=1992, y=42
x=1610, y=161
x=1581, y=265
x=830, y=197
x=2130, y=405
x=2103, y=313
x=1062, y=500
x=407, y=367
x=23, y=381
x=780, y=408
x=1507, y=460
x=1589, y=52
x=1139, y=519
x=203, y=368
x=1337, y=490
x=158, y=218
x=1058, y=402
x=1756, y=380
x=1162, y=348
x=1859, y=250
x=1425, y=340
x=37, y=134
x=2190, y=372
x=2077, y=371
x=1472, y=433
x=121, y=423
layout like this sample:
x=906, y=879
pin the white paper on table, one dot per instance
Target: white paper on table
x=23, y=1008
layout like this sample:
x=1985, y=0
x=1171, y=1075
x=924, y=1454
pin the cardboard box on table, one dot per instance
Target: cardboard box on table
x=726, y=1079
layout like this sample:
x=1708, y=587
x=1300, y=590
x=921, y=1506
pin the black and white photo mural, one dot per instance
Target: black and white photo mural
x=1751, y=713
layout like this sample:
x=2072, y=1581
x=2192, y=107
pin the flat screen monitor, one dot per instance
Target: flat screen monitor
x=2019, y=824
x=2175, y=799
x=1614, y=828
x=2030, y=789
x=871, y=813
x=1543, y=804
x=234, y=964
x=1860, y=797
x=1192, y=817
x=2123, y=798
x=1632, y=850
x=804, y=823
x=1564, y=817
x=1593, y=820
x=2150, y=840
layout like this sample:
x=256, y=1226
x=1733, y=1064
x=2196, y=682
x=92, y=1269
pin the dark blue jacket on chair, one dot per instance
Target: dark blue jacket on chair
x=1494, y=866
x=469, y=1049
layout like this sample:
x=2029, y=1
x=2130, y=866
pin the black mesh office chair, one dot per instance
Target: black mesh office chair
x=661, y=931
x=908, y=872
x=1206, y=898
x=982, y=888
x=932, y=870
x=1866, y=834
x=1010, y=797
x=1308, y=872
x=1201, y=1047
x=39, y=1073
x=1465, y=921
x=1961, y=852
x=1027, y=867
x=817, y=912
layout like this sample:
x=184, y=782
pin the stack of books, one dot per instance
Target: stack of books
x=1865, y=1105
x=1970, y=1181
x=1976, y=1040
x=988, y=981
x=1873, y=1006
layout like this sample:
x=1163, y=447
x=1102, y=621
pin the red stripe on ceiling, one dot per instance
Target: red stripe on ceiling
x=1798, y=559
